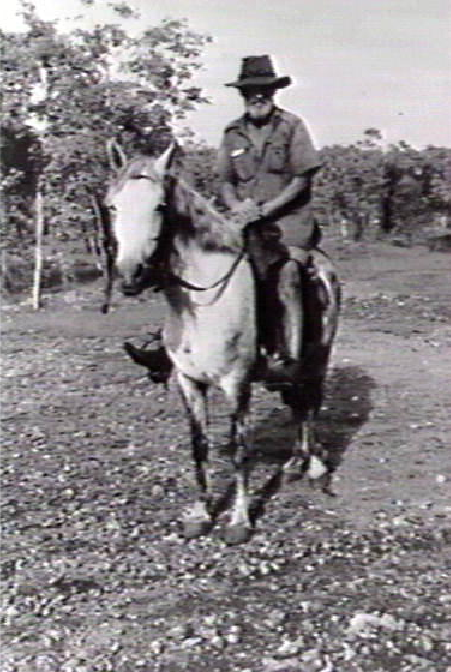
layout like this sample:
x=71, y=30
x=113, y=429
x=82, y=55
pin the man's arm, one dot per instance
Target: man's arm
x=293, y=189
x=228, y=195
x=242, y=211
x=304, y=163
x=249, y=211
x=227, y=189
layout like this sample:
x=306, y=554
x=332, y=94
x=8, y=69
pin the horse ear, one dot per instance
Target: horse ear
x=116, y=156
x=164, y=162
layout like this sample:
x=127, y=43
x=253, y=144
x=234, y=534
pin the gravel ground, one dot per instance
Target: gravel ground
x=96, y=471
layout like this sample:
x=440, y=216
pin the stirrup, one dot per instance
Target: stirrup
x=280, y=373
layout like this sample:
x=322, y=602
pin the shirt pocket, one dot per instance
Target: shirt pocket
x=277, y=158
x=243, y=164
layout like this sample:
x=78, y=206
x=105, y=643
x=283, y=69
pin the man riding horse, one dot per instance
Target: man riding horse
x=266, y=166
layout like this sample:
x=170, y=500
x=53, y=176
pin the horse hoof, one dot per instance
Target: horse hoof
x=196, y=528
x=237, y=534
x=316, y=468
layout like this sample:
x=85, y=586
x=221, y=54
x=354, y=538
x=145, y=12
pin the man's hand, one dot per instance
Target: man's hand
x=245, y=212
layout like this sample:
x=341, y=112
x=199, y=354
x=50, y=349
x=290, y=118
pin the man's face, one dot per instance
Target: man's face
x=258, y=102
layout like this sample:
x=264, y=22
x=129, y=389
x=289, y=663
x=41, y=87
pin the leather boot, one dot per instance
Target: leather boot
x=155, y=359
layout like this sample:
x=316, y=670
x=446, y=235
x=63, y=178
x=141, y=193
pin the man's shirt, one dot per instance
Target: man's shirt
x=261, y=174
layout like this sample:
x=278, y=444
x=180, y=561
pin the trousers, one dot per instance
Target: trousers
x=267, y=254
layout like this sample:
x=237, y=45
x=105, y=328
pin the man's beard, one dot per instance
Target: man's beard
x=259, y=114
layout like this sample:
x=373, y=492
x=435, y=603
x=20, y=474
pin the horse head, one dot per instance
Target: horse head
x=136, y=198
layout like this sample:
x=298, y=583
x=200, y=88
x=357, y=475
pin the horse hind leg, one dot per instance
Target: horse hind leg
x=238, y=394
x=321, y=303
x=302, y=392
x=305, y=401
x=197, y=520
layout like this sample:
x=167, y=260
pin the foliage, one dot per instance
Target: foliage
x=349, y=184
x=200, y=165
x=66, y=95
x=398, y=188
x=80, y=90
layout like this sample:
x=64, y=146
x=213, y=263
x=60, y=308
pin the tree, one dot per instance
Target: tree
x=100, y=83
x=437, y=181
x=398, y=188
x=349, y=186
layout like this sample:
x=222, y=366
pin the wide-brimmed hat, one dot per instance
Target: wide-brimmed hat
x=259, y=71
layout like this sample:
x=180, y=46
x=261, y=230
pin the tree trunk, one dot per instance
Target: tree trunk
x=38, y=260
x=39, y=201
x=7, y=284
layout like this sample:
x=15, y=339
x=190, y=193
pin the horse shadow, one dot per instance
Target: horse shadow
x=346, y=408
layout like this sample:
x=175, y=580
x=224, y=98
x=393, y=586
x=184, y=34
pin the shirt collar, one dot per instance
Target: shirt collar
x=240, y=124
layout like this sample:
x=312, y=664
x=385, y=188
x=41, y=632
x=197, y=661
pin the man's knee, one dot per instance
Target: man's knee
x=289, y=280
x=290, y=269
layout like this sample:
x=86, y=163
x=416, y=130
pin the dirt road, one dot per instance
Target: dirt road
x=96, y=471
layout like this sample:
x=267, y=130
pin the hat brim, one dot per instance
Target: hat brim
x=275, y=82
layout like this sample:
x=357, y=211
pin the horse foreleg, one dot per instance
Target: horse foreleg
x=239, y=528
x=197, y=519
x=108, y=289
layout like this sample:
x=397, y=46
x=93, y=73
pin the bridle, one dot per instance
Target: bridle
x=168, y=277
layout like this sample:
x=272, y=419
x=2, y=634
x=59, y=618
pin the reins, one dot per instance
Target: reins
x=222, y=281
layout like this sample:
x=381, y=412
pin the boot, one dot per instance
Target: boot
x=156, y=360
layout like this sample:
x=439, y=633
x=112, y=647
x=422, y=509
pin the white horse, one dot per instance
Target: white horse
x=167, y=235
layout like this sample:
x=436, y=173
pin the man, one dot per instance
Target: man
x=267, y=159
x=266, y=165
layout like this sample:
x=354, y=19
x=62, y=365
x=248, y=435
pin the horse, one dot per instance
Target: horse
x=170, y=237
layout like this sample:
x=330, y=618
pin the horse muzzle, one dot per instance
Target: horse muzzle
x=132, y=282
x=130, y=289
x=145, y=276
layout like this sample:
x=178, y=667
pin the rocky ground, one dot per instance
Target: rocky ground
x=96, y=471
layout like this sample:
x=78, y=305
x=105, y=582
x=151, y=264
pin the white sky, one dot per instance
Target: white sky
x=355, y=63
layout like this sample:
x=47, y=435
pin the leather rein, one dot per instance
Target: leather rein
x=175, y=279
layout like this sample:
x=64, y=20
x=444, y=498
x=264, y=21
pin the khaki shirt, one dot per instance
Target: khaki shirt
x=287, y=152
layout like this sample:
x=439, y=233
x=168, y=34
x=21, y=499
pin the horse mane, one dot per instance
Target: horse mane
x=190, y=214
x=199, y=218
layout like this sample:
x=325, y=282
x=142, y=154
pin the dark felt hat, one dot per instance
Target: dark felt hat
x=259, y=71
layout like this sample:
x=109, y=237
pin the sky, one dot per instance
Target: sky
x=354, y=63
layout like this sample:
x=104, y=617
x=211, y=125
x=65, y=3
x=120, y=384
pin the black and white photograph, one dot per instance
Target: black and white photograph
x=225, y=336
